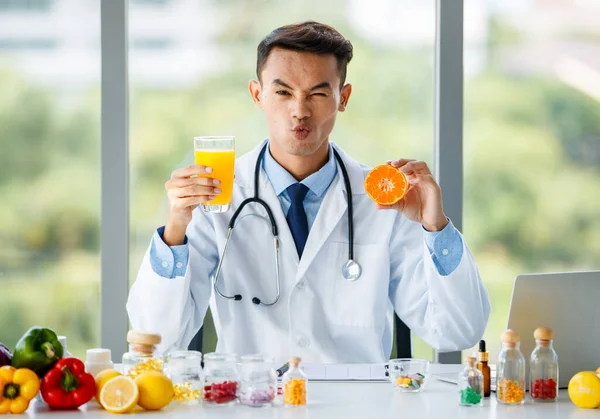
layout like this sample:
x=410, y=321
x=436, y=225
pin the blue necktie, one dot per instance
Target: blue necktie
x=296, y=216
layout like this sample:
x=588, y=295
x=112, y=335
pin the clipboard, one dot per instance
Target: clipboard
x=346, y=372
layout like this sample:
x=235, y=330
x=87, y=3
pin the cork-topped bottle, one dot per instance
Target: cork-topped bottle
x=470, y=385
x=510, y=370
x=543, y=367
x=294, y=384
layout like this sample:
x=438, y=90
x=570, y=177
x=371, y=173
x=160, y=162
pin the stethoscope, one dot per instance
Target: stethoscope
x=351, y=269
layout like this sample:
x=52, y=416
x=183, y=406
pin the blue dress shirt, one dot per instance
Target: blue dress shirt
x=445, y=246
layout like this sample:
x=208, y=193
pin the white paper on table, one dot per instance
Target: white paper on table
x=345, y=372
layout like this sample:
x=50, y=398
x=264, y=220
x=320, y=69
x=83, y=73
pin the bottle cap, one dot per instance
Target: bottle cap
x=98, y=356
x=63, y=342
x=510, y=336
x=471, y=361
x=543, y=333
x=482, y=346
x=295, y=361
x=138, y=338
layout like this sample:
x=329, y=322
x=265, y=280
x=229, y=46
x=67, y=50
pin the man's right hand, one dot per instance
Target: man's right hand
x=185, y=193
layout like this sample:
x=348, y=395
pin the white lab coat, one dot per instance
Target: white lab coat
x=321, y=316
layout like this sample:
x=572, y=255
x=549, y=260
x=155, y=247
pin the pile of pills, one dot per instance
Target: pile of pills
x=468, y=396
x=510, y=391
x=294, y=392
x=186, y=392
x=258, y=397
x=154, y=364
x=412, y=381
x=543, y=389
x=219, y=393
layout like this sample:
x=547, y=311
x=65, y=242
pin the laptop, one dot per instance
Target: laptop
x=569, y=304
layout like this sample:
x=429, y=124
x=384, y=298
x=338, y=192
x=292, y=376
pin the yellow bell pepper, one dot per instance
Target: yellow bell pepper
x=17, y=388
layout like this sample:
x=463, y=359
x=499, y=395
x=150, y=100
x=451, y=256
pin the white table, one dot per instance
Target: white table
x=358, y=400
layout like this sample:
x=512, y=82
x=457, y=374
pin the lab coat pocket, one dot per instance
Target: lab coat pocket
x=362, y=302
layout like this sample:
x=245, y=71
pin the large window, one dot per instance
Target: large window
x=532, y=142
x=197, y=85
x=50, y=171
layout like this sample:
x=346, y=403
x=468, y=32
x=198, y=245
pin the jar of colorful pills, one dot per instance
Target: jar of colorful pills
x=184, y=368
x=258, y=380
x=510, y=370
x=221, y=379
x=294, y=384
x=543, y=368
x=470, y=385
x=408, y=375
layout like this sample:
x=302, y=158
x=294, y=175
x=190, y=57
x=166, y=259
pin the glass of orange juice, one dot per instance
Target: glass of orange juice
x=218, y=153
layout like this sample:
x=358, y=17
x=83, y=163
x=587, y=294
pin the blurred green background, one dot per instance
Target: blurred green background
x=531, y=129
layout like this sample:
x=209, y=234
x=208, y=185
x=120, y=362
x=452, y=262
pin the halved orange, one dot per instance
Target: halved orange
x=386, y=185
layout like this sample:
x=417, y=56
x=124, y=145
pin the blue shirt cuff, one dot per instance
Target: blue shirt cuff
x=166, y=261
x=445, y=248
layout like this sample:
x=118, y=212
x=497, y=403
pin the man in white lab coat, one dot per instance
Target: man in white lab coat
x=413, y=259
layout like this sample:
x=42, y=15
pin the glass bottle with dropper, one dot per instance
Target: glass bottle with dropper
x=483, y=366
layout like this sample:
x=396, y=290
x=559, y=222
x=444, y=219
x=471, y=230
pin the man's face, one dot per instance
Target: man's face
x=300, y=95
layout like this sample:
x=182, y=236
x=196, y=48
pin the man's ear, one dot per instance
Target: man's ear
x=345, y=97
x=255, y=92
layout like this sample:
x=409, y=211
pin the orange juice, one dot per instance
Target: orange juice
x=222, y=164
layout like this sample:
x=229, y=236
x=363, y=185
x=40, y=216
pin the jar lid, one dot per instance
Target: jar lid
x=219, y=356
x=509, y=336
x=543, y=333
x=139, y=338
x=256, y=358
x=178, y=359
x=98, y=356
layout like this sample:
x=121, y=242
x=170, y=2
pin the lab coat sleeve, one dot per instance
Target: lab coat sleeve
x=449, y=312
x=175, y=307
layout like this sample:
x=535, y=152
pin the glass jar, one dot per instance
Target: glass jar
x=294, y=385
x=221, y=379
x=470, y=384
x=258, y=380
x=510, y=370
x=409, y=374
x=142, y=355
x=184, y=368
x=543, y=368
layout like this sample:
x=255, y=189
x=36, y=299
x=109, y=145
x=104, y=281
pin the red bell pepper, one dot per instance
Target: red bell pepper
x=67, y=385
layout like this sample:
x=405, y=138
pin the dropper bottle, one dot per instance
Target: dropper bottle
x=483, y=366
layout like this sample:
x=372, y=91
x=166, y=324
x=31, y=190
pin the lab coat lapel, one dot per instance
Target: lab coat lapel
x=332, y=209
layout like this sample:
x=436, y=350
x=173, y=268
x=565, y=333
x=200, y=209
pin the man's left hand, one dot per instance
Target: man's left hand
x=423, y=201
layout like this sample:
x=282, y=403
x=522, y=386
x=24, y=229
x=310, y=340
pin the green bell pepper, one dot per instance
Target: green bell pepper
x=38, y=350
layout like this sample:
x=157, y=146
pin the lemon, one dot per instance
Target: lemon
x=156, y=390
x=102, y=378
x=584, y=390
x=120, y=394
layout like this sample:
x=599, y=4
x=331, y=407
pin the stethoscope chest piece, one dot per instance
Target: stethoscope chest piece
x=351, y=270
